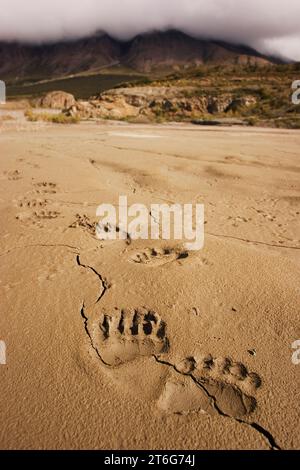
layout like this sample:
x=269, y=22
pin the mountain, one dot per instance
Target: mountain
x=152, y=52
x=174, y=49
x=19, y=61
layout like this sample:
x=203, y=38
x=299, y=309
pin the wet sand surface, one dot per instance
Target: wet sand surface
x=138, y=344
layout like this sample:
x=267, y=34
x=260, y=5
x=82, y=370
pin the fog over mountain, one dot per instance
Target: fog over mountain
x=271, y=26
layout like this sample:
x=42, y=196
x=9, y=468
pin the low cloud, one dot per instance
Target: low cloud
x=270, y=26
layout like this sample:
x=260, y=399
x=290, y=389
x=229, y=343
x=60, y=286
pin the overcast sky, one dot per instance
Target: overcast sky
x=269, y=25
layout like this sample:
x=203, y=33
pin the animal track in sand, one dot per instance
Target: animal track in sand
x=212, y=385
x=158, y=256
x=45, y=188
x=12, y=175
x=126, y=335
x=103, y=229
x=37, y=217
x=265, y=215
x=238, y=219
x=85, y=223
x=32, y=203
x=40, y=215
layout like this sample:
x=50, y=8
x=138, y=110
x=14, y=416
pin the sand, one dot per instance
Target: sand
x=213, y=367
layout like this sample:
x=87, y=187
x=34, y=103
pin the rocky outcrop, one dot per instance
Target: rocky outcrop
x=239, y=103
x=117, y=109
x=56, y=100
x=157, y=102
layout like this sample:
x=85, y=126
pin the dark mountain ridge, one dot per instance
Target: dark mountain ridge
x=146, y=53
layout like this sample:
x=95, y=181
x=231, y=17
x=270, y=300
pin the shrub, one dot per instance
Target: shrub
x=60, y=118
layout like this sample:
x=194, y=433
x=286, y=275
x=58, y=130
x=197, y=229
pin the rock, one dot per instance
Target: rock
x=239, y=103
x=56, y=100
x=152, y=102
x=218, y=104
x=168, y=106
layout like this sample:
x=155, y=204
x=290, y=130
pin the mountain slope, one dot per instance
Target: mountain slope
x=161, y=51
x=174, y=49
x=19, y=61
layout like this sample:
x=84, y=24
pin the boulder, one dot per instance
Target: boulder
x=57, y=100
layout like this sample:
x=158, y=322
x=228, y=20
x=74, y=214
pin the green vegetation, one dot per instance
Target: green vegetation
x=269, y=90
x=256, y=96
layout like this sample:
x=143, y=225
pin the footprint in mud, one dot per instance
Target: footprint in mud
x=12, y=175
x=31, y=203
x=42, y=215
x=158, y=256
x=37, y=217
x=126, y=335
x=117, y=233
x=216, y=386
x=84, y=222
x=93, y=228
x=45, y=188
x=238, y=219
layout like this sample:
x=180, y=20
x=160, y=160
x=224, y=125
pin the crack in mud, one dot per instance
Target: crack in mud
x=253, y=241
x=104, y=286
x=39, y=245
x=256, y=242
x=85, y=320
x=266, y=434
x=257, y=427
x=103, y=281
